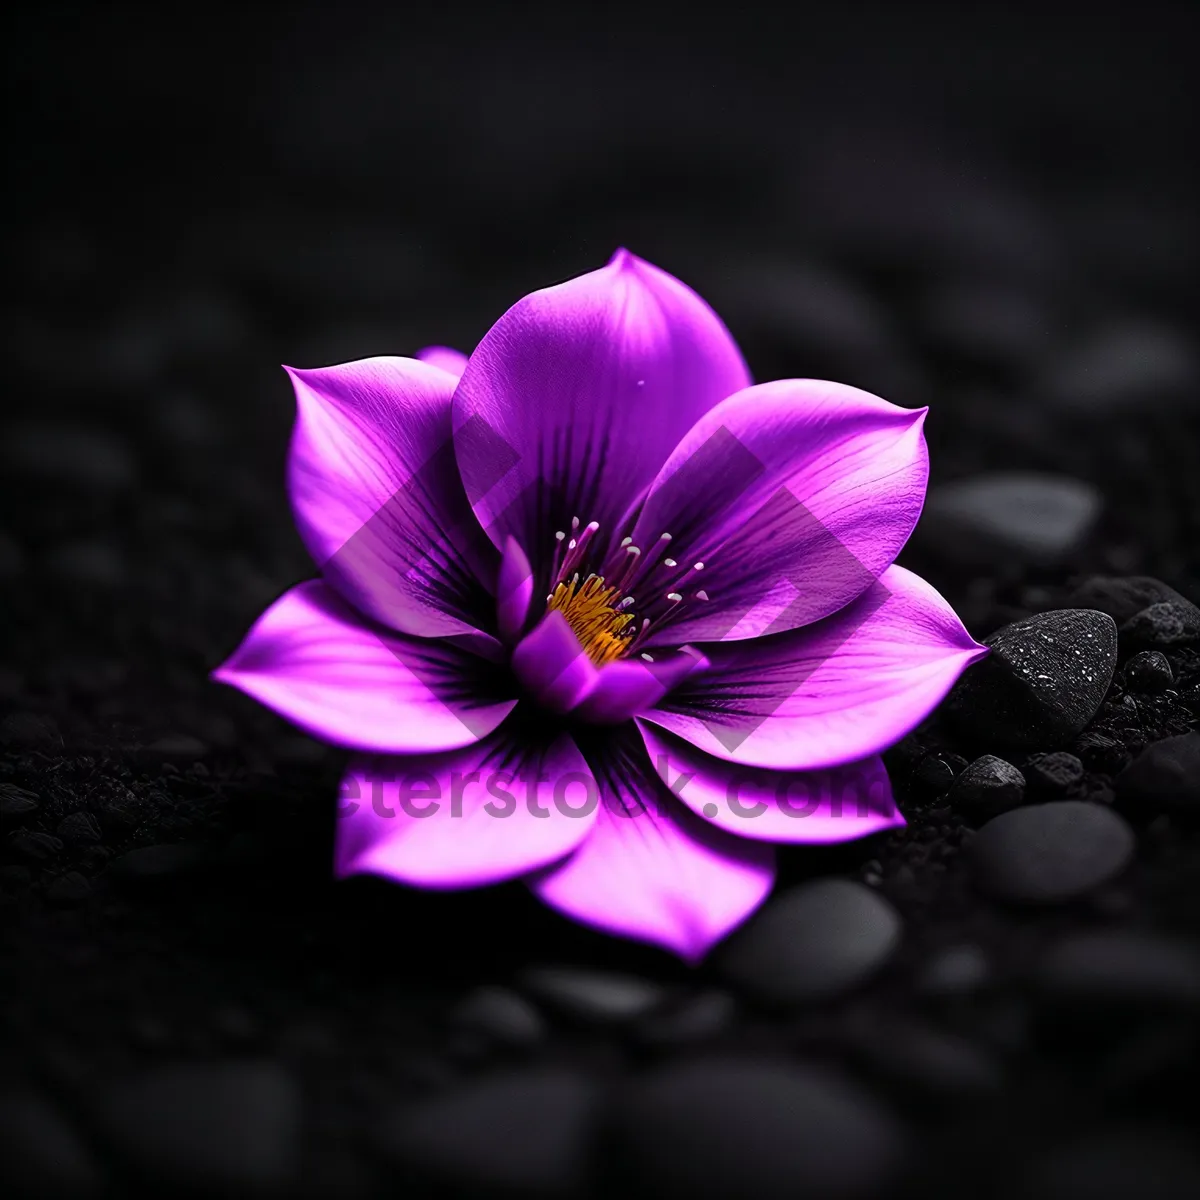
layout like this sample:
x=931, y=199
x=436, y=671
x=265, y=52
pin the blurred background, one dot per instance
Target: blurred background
x=989, y=209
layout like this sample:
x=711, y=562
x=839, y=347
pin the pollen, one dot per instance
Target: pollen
x=596, y=616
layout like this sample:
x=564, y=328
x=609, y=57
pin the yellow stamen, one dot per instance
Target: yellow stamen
x=591, y=611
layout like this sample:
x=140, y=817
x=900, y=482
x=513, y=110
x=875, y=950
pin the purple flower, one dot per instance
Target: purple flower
x=599, y=613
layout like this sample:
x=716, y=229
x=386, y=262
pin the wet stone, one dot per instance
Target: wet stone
x=1045, y=679
x=988, y=786
x=811, y=943
x=1053, y=773
x=934, y=774
x=954, y=971
x=501, y=1016
x=993, y=519
x=1050, y=853
x=1166, y=624
x=527, y=1133
x=1165, y=777
x=228, y=1128
x=1099, y=752
x=730, y=1128
x=595, y=997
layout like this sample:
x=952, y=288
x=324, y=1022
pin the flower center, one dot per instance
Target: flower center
x=611, y=609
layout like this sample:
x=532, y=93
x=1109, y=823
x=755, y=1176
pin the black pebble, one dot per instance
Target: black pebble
x=1044, y=680
x=17, y=802
x=1169, y=623
x=524, y=1134
x=988, y=786
x=1121, y=596
x=1148, y=672
x=230, y=1128
x=694, y=1018
x=954, y=971
x=812, y=942
x=934, y=774
x=1048, y=853
x=29, y=730
x=1054, y=772
x=1164, y=777
x=592, y=996
x=729, y=1128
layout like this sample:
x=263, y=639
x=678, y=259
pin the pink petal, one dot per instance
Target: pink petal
x=653, y=871
x=794, y=496
x=832, y=693
x=629, y=686
x=580, y=391
x=314, y=660
x=377, y=497
x=834, y=805
x=550, y=664
x=492, y=811
x=444, y=358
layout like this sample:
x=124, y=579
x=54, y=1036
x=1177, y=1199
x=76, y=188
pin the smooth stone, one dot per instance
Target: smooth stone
x=995, y=326
x=1115, y=1164
x=925, y=1061
x=1054, y=772
x=988, y=786
x=1050, y=853
x=696, y=1018
x=41, y=1154
x=598, y=997
x=1164, y=777
x=33, y=845
x=1099, y=752
x=1123, y=367
x=1122, y=968
x=954, y=971
x=812, y=942
x=1168, y=623
x=990, y=520
x=501, y=1016
x=735, y=1128
x=229, y=1127
x=527, y=1133
x=1045, y=679
x=934, y=774
x=1148, y=672
x=1121, y=596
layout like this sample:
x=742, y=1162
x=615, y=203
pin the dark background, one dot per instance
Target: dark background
x=988, y=211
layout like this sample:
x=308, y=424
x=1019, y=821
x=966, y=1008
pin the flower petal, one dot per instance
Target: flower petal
x=378, y=500
x=832, y=693
x=445, y=358
x=834, y=805
x=652, y=870
x=314, y=660
x=514, y=590
x=581, y=390
x=794, y=496
x=629, y=686
x=492, y=811
x=551, y=665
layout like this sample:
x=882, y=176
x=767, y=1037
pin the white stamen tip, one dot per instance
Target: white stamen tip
x=669, y=562
x=701, y=595
x=574, y=524
x=698, y=566
x=559, y=536
x=648, y=657
x=627, y=541
x=674, y=597
x=572, y=544
x=626, y=602
x=632, y=550
x=593, y=525
x=666, y=537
